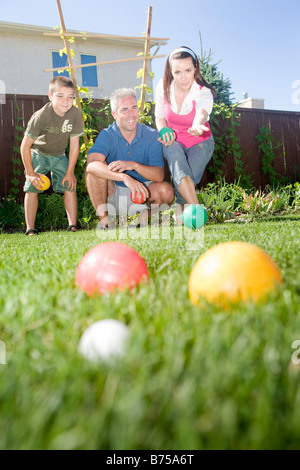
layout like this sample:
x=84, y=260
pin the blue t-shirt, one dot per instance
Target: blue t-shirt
x=144, y=148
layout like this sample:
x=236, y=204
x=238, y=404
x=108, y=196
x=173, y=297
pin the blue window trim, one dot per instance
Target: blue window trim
x=59, y=61
x=89, y=74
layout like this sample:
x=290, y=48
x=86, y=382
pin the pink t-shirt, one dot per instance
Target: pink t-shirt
x=180, y=123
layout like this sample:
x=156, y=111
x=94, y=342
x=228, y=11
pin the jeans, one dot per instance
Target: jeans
x=188, y=162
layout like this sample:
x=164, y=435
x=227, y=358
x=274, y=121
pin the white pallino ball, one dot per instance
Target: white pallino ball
x=104, y=339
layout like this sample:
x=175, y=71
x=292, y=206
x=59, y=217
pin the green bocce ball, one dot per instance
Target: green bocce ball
x=166, y=131
x=194, y=216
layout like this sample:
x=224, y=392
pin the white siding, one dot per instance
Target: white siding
x=25, y=53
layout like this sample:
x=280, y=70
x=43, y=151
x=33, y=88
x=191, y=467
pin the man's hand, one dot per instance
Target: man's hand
x=136, y=187
x=120, y=166
x=71, y=180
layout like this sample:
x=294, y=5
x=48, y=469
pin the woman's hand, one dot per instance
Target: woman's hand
x=167, y=140
x=198, y=130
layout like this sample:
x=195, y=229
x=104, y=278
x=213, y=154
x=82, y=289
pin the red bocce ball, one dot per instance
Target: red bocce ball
x=108, y=266
x=136, y=199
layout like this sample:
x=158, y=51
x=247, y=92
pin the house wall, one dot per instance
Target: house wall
x=26, y=52
x=254, y=103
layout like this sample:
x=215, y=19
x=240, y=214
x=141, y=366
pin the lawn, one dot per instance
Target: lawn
x=191, y=378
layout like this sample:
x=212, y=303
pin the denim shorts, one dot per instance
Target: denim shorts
x=190, y=162
x=121, y=202
x=58, y=167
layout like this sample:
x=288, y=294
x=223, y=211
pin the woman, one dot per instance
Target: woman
x=184, y=101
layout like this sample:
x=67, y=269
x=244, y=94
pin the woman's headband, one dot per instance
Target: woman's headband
x=182, y=49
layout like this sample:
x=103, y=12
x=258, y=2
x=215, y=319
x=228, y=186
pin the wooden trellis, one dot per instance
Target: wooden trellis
x=73, y=68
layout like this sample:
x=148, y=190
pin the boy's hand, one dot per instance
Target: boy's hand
x=35, y=180
x=71, y=180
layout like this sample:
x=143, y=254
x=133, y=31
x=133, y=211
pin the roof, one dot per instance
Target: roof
x=19, y=28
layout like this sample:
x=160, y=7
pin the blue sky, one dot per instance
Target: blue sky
x=257, y=41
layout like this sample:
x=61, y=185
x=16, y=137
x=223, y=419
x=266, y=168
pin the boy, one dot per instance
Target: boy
x=43, y=150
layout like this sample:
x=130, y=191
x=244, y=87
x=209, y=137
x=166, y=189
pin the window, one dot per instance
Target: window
x=59, y=61
x=89, y=74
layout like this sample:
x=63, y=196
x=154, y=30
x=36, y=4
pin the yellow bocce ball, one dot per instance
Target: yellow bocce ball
x=46, y=182
x=232, y=272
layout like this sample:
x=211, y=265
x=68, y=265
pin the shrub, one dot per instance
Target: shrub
x=11, y=215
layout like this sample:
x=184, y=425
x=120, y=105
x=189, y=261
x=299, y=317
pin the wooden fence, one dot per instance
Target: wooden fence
x=285, y=130
x=14, y=109
x=284, y=126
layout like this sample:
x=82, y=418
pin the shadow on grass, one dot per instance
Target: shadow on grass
x=280, y=217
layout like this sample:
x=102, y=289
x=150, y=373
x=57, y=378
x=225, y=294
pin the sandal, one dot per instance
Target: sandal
x=104, y=227
x=134, y=226
x=34, y=231
x=72, y=228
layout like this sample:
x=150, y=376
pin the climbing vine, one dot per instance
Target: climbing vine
x=227, y=143
x=267, y=147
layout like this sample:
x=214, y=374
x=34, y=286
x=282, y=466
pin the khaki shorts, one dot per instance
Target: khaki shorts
x=58, y=167
x=122, y=203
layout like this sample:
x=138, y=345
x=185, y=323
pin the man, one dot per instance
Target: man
x=125, y=158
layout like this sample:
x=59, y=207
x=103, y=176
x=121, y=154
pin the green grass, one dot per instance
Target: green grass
x=190, y=378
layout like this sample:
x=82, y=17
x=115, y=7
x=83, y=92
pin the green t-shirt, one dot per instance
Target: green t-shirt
x=51, y=132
